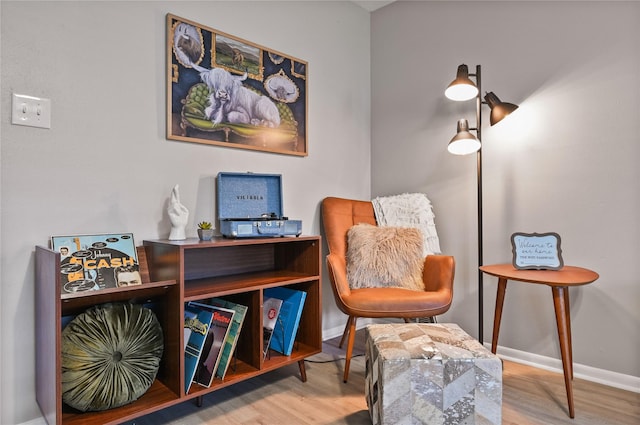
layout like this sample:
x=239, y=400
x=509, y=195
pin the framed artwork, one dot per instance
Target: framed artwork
x=538, y=251
x=95, y=262
x=226, y=91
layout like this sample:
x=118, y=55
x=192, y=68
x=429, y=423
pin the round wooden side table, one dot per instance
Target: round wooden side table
x=559, y=281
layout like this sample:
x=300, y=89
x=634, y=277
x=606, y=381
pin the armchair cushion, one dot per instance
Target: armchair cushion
x=384, y=257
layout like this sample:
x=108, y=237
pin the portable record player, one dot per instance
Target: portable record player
x=250, y=205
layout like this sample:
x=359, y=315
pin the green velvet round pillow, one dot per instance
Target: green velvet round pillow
x=110, y=356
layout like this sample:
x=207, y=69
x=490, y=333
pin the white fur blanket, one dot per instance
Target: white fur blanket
x=409, y=210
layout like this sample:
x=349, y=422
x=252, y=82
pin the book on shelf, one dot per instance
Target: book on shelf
x=196, y=327
x=270, y=311
x=234, y=333
x=95, y=262
x=286, y=327
x=216, y=337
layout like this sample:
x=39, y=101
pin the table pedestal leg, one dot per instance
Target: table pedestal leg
x=567, y=309
x=502, y=288
x=561, y=305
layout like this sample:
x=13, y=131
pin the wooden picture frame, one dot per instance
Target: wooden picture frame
x=226, y=91
x=536, y=251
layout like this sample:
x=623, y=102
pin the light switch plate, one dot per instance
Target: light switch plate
x=31, y=111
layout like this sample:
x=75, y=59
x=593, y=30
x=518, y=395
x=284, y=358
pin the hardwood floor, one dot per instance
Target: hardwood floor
x=530, y=396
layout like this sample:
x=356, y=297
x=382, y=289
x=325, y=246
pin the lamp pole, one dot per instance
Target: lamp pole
x=479, y=198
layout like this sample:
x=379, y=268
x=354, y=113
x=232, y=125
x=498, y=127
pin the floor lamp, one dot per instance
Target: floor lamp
x=464, y=143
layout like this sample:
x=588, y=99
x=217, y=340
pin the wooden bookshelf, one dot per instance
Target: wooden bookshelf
x=175, y=272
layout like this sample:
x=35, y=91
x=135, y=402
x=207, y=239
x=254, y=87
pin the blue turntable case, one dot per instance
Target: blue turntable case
x=250, y=205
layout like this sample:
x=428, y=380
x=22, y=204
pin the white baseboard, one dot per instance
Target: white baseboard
x=338, y=330
x=37, y=421
x=588, y=373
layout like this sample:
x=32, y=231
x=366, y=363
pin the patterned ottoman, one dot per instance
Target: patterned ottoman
x=430, y=374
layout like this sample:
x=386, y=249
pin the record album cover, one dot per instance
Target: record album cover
x=95, y=262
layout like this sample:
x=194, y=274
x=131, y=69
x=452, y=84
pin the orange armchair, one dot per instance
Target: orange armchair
x=338, y=216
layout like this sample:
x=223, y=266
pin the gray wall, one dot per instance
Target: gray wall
x=571, y=66
x=565, y=162
x=105, y=164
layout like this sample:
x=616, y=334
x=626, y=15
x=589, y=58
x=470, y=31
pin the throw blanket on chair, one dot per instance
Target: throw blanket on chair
x=409, y=210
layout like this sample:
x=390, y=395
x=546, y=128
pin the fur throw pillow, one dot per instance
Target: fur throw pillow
x=384, y=256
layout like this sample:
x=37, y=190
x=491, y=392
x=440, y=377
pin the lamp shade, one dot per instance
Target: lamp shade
x=462, y=88
x=464, y=143
x=499, y=109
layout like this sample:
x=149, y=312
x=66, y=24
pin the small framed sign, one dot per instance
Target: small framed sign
x=536, y=251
